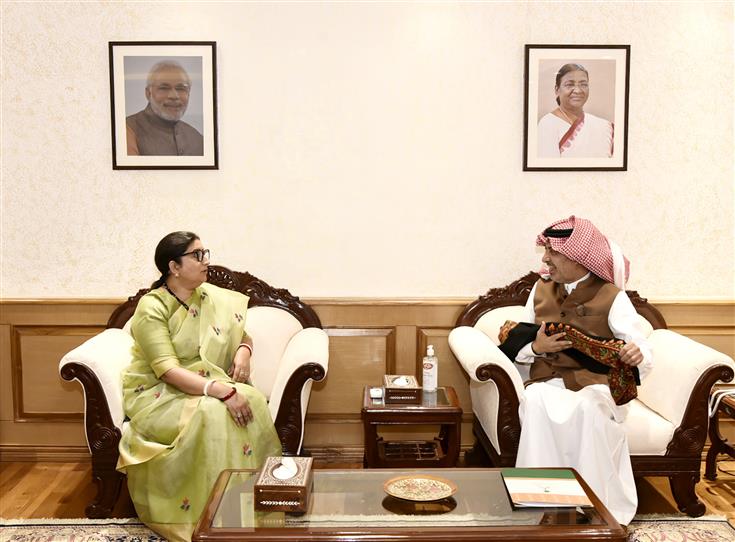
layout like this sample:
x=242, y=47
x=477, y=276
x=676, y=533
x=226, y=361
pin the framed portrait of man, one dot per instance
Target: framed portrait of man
x=576, y=107
x=163, y=98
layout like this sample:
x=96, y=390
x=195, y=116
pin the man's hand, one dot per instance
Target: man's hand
x=546, y=344
x=240, y=368
x=631, y=355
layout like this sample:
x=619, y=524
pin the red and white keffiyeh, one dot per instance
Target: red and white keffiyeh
x=587, y=246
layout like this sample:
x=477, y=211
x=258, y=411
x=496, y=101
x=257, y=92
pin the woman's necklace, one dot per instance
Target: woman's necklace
x=566, y=117
x=175, y=296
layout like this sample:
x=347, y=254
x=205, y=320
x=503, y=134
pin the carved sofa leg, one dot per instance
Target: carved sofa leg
x=109, y=484
x=682, y=487
x=103, y=438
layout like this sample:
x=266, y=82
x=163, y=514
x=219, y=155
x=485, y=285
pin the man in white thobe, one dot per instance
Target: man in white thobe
x=568, y=415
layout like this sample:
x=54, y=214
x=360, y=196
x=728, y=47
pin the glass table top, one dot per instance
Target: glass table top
x=356, y=498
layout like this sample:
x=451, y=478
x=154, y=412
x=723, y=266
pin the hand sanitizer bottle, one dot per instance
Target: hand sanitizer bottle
x=430, y=371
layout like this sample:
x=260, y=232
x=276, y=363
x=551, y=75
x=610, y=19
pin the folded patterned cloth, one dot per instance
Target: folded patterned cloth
x=598, y=354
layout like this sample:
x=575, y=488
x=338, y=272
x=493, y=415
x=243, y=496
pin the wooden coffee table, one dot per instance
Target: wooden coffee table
x=352, y=505
x=439, y=408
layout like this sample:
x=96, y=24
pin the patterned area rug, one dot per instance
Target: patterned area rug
x=76, y=530
x=681, y=529
x=711, y=529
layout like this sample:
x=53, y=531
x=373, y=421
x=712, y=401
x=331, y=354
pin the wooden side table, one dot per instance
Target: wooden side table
x=440, y=408
x=719, y=443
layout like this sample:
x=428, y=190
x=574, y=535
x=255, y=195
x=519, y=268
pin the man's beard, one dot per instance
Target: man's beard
x=171, y=116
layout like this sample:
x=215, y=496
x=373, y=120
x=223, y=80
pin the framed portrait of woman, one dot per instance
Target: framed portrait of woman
x=576, y=108
x=163, y=97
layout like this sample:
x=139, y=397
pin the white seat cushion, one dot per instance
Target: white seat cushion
x=648, y=433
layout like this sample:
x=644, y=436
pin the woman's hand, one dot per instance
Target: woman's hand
x=546, y=344
x=240, y=369
x=239, y=409
x=631, y=355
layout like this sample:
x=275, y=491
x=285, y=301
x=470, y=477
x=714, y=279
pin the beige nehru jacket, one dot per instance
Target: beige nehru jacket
x=586, y=308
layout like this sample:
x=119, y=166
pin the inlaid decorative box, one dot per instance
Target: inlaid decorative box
x=284, y=485
x=401, y=389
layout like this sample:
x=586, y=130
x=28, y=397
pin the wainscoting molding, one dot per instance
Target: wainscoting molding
x=41, y=414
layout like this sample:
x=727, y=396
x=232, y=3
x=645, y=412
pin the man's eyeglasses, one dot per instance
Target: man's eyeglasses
x=200, y=254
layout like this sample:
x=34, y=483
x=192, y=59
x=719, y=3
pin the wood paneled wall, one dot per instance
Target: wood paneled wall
x=41, y=414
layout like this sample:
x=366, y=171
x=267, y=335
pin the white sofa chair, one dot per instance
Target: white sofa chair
x=666, y=424
x=291, y=351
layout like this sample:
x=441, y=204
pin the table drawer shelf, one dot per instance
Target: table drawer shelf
x=391, y=452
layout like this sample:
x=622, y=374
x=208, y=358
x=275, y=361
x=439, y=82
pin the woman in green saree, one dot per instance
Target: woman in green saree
x=191, y=412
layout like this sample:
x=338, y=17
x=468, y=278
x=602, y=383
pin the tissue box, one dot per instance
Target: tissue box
x=401, y=389
x=274, y=494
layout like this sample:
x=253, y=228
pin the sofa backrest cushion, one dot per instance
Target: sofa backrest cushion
x=490, y=322
x=644, y=326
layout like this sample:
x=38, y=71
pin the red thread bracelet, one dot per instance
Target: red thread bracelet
x=232, y=392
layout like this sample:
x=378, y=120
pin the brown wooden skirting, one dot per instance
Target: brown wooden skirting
x=43, y=454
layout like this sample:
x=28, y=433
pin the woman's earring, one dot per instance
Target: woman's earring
x=176, y=275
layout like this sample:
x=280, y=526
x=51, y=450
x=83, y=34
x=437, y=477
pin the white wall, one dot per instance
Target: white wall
x=366, y=149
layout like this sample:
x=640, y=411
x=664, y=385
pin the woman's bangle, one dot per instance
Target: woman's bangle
x=246, y=345
x=206, y=388
x=232, y=392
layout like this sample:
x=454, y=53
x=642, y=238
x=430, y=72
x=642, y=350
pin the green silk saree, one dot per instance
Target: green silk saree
x=177, y=444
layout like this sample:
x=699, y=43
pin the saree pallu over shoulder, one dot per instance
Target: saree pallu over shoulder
x=177, y=444
x=222, y=325
x=589, y=136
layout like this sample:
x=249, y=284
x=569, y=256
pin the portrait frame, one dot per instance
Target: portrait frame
x=142, y=142
x=595, y=141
